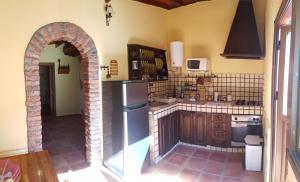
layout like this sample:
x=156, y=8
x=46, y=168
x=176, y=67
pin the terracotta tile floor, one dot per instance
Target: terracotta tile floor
x=187, y=164
x=64, y=138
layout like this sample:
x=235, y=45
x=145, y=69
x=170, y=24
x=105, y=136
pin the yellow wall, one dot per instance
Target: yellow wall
x=132, y=22
x=67, y=86
x=272, y=7
x=204, y=28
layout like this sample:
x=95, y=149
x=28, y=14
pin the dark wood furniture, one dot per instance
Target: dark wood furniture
x=35, y=167
x=218, y=129
x=146, y=63
x=192, y=127
x=168, y=132
x=199, y=128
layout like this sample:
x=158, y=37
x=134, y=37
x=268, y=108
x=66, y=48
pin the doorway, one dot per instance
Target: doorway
x=63, y=134
x=47, y=89
x=282, y=79
x=91, y=84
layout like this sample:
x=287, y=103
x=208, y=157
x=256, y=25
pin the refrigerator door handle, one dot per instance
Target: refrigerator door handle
x=136, y=107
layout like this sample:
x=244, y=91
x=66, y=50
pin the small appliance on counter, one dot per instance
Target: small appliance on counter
x=196, y=64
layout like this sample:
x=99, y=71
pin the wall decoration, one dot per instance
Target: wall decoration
x=63, y=69
x=108, y=11
x=108, y=75
x=113, y=67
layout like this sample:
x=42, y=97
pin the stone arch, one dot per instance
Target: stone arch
x=64, y=31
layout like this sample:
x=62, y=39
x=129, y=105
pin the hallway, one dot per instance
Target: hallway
x=64, y=138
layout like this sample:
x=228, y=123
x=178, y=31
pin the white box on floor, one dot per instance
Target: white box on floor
x=253, y=161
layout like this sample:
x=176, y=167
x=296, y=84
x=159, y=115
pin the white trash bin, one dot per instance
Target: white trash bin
x=253, y=161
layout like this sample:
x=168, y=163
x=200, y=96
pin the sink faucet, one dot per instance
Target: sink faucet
x=150, y=93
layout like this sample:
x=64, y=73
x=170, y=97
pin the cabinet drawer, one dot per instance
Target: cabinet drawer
x=219, y=126
x=217, y=117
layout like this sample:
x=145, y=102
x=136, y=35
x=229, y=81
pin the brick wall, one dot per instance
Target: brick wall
x=91, y=83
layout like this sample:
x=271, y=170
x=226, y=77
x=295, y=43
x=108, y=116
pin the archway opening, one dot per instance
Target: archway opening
x=62, y=111
x=71, y=33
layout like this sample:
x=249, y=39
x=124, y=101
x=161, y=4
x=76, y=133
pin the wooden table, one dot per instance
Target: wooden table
x=35, y=167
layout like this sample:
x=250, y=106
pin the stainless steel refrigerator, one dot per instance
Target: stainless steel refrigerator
x=125, y=127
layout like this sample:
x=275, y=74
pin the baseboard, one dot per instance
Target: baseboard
x=8, y=153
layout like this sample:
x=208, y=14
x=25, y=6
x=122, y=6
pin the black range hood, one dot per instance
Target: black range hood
x=243, y=40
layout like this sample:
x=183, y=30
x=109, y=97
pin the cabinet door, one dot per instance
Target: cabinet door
x=199, y=129
x=228, y=130
x=171, y=136
x=186, y=120
x=218, y=129
x=176, y=117
x=163, y=135
x=168, y=132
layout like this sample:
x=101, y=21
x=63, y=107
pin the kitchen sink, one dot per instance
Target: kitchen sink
x=167, y=100
x=156, y=104
x=218, y=103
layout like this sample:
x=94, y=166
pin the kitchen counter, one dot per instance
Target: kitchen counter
x=160, y=111
x=227, y=108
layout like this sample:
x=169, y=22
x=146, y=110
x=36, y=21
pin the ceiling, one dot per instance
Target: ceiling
x=169, y=4
x=68, y=48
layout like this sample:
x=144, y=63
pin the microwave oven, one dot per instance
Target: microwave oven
x=196, y=64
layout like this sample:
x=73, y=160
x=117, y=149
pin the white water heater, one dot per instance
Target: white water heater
x=176, y=48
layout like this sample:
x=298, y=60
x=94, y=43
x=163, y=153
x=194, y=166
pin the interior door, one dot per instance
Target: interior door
x=282, y=104
x=47, y=89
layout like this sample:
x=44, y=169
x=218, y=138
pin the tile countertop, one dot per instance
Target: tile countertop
x=227, y=108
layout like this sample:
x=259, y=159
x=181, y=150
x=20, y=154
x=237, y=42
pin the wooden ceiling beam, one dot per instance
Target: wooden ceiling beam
x=155, y=3
x=169, y=4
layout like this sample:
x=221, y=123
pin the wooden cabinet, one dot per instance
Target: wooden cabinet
x=192, y=127
x=186, y=121
x=195, y=128
x=199, y=128
x=218, y=129
x=168, y=132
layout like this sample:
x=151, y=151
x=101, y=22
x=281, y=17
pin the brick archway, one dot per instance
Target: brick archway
x=64, y=31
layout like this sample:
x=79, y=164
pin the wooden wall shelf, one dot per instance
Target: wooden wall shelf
x=147, y=63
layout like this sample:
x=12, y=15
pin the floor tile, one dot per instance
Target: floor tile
x=231, y=179
x=236, y=157
x=202, y=153
x=64, y=139
x=185, y=150
x=218, y=156
x=195, y=163
x=205, y=177
x=177, y=159
x=252, y=176
x=168, y=169
x=233, y=170
x=78, y=165
x=214, y=167
x=188, y=175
